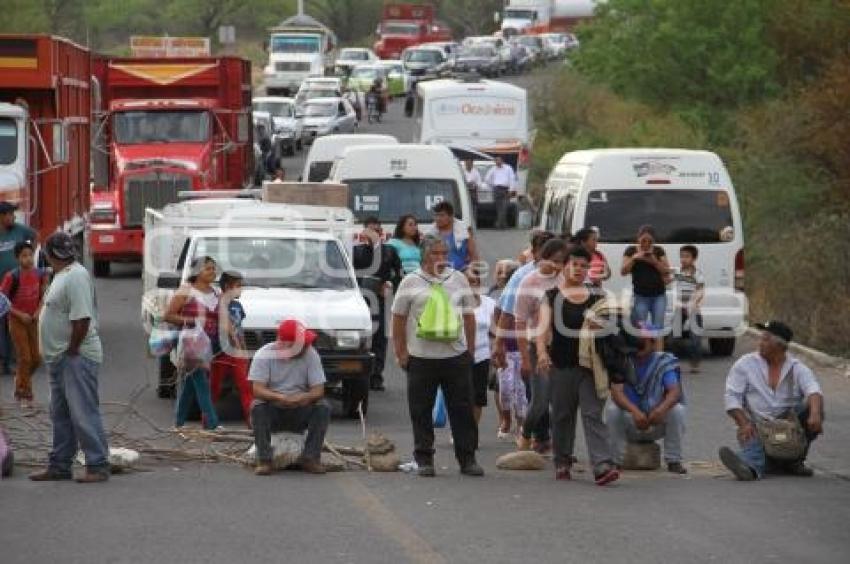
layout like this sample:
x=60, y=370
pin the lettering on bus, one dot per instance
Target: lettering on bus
x=476, y=109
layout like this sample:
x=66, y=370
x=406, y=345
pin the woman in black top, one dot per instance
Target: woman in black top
x=647, y=263
x=572, y=386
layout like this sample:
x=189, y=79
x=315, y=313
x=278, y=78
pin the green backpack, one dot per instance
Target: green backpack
x=439, y=321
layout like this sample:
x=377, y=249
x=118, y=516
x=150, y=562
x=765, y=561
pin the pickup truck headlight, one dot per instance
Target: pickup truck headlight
x=348, y=340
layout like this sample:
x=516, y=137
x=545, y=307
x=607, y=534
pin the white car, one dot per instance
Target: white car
x=350, y=57
x=287, y=128
x=326, y=150
x=326, y=116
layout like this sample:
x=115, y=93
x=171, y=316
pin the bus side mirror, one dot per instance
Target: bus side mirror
x=60, y=143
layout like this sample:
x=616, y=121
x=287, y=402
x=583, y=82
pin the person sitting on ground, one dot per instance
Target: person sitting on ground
x=456, y=233
x=24, y=287
x=766, y=385
x=650, y=407
x=289, y=390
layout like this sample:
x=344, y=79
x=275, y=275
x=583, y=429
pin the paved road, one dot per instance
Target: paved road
x=190, y=512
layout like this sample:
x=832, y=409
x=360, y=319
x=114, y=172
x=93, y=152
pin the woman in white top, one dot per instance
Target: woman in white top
x=485, y=308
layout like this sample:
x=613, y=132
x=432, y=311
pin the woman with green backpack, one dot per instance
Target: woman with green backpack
x=434, y=340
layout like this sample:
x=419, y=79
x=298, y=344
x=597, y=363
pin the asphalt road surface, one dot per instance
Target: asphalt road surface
x=219, y=512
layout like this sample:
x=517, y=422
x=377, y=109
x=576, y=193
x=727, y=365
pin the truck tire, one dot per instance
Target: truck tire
x=722, y=347
x=101, y=268
x=354, y=391
x=167, y=386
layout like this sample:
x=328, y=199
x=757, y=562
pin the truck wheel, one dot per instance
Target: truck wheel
x=167, y=387
x=101, y=268
x=355, y=391
x=722, y=347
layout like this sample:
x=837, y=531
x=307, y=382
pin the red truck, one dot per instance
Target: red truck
x=45, y=111
x=164, y=126
x=407, y=25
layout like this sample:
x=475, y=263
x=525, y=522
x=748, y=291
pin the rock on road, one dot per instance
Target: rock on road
x=192, y=512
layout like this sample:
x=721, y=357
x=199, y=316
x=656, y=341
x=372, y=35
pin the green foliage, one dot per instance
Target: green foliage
x=681, y=53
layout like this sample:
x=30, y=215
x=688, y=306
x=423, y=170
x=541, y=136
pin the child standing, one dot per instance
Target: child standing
x=690, y=285
x=24, y=286
x=233, y=360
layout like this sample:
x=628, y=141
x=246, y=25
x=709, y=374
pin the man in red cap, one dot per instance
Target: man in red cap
x=289, y=388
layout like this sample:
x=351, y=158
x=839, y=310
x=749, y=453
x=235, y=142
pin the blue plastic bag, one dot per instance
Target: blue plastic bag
x=440, y=415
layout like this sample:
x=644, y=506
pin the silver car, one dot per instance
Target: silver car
x=287, y=129
x=327, y=116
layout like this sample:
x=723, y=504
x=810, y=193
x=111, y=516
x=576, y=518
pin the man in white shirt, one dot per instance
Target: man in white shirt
x=501, y=178
x=767, y=385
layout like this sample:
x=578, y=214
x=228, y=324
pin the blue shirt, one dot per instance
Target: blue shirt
x=507, y=303
x=410, y=255
x=669, y=379
x=237, y=315
x=458, y=254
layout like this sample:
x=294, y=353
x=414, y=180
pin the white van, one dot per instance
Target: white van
x=687, y=196
x=390, y=181
x=325, y=150
x=486, y=115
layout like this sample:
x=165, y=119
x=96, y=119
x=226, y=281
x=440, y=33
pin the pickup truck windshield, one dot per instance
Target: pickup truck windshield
x=167, y=126
x=320, y=110
x=390, y=198
x=422, y=56
x=679, y=216
x=276, y=109
x=295, y=44
x=8, y=141
x=270, y=262
x=400, y=28
x=521, y=14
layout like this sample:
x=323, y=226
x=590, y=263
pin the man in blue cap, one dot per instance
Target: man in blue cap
x=11, y=233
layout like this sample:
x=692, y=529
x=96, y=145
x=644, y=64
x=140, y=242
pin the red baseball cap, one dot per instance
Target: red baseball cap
x=292, y=331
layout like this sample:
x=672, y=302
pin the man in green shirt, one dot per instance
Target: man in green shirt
x=70, y=345
x=11, y=233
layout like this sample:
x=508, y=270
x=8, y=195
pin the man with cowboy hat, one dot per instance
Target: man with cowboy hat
x=289, y=388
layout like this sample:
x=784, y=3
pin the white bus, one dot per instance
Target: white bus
x=687, y=196
x=486, y=115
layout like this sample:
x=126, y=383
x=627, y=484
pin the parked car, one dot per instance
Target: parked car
x=398, y=80
x=483, y=59
x=287, y=129
x=534, y=44
x=499, y=44
x=571, y=41
x=351, y=57
x=425, y=62
x=522, y=58
x=308, y=94
x=450, y=48
x=326, y=116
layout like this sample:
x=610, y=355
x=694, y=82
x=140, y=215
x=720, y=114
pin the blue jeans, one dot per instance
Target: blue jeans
x=752, y=451
x=649, y=306
x=196, y=383
x=75, y=414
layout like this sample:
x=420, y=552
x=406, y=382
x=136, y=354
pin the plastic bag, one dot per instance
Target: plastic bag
x=194, y=350
x=163, y=339
x=439, y=320
x=439, y=414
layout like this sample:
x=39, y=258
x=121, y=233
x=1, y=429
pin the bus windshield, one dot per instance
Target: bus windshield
x=678, y=216
x=168, y=126
x=390, y=198
x=400, y=28
x=295, y=44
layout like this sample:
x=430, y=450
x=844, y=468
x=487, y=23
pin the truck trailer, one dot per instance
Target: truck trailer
x=164, y=126
x=544, y=16
x=45, y=111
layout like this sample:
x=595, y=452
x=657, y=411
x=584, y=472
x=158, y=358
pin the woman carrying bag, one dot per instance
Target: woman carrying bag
x=195, y=308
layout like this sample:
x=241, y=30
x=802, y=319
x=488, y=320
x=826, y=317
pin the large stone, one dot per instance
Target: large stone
x=385, y=462
x=521, y=460
x=642, y=456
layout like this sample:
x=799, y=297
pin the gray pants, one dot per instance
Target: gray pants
x=573, y=387
x=621, y=427
x=500, y=199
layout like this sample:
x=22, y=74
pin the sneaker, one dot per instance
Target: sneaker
x=607, y=475
x=92, y=477
x=676, y=468
x=735, y=465
x=472, y=469
x=50, y=475
x=427, y=471
x=800, y=469
x=263, y=469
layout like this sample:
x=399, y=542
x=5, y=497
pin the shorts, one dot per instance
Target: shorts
x=480, y=376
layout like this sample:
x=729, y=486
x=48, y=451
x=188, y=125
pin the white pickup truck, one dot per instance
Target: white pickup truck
x=295, y=264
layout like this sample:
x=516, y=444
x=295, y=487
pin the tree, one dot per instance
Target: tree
x=471, y=17
x=682, y=53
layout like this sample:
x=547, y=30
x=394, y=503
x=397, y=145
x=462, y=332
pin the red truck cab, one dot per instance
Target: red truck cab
x=408, y=25
x=168, y=126
x=45, y=116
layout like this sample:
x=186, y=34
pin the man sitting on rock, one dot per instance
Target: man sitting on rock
x=649, y=405
x=289, y=388
x=766, y=386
